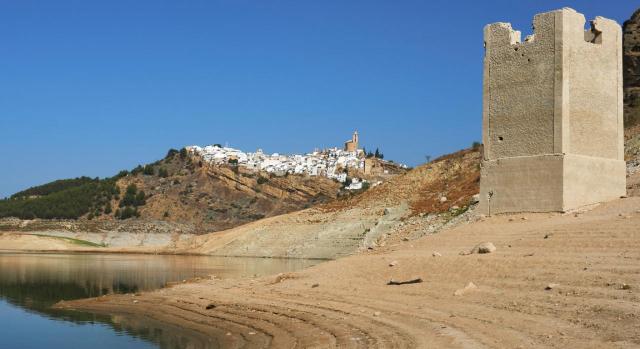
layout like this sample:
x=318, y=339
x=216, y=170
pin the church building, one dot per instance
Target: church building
x=353, y=144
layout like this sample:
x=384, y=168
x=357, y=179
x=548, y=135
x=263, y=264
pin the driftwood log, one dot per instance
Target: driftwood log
x=408, y=282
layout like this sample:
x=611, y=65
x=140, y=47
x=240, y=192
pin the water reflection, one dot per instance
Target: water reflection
x=34, y=282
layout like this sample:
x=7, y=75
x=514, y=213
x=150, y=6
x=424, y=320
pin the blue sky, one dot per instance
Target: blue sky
x=93, y=87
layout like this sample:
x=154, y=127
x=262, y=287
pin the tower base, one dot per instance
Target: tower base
x=549, y=183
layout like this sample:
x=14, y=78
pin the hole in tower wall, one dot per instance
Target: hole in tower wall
x=500, y=139
x=593, y=35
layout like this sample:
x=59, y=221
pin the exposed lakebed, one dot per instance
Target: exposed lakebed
x=31, y=283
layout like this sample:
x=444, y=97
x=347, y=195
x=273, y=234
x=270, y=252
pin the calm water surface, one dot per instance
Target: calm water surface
x=31, y=283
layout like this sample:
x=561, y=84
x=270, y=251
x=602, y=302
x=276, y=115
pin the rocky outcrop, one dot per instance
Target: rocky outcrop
x=631, y=44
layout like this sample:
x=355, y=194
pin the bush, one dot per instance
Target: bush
x=171, y=153
x=133, y=197
x=183, y=153
x=138, y=169
x=476, y=145
x=140, y=199
x=127, y=213
x=163, y=173
x=149, y=170
x=122, y=174
x=262, y=180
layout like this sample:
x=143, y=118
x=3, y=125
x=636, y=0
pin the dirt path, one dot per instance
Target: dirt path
x=347, y=304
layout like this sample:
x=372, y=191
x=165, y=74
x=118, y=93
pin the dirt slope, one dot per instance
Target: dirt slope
x=347, y=304
x=343, y=226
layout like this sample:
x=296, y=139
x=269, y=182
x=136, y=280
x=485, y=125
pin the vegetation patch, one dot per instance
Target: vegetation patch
x=72, y=240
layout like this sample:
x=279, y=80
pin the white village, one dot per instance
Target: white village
x=333, y=163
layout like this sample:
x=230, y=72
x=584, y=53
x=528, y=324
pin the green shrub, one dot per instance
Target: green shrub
x=171, y=153
x=149, y=170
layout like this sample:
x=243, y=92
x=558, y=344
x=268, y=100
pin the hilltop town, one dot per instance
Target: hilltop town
x=333, y=163
x=198, y=190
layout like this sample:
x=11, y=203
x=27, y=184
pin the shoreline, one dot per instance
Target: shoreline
x=163, y=253
x=502, y=299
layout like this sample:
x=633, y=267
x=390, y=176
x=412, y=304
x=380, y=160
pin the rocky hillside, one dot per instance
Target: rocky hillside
x=431, y=196
x=178, y=194
x=213, y=198
x=631, y=44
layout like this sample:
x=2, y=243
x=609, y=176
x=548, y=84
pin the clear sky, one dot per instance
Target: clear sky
x=93, y=87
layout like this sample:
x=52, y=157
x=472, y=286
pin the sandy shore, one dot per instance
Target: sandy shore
x=591, y=261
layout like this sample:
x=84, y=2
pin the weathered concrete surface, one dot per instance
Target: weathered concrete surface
x=552, y=115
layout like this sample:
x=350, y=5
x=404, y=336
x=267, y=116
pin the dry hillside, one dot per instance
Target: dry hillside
x=432, y=196
x=215, y=198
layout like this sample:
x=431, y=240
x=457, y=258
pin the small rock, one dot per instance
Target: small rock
x=483, y=248
x=475, y=199
x=211, y=306
x=547, y=236
x=436, y=254
x=135, y=302
x=377, y=314
x=252, y=333
x=405, y=239
x=386, y=212
x=393, y=264
x=228, y=333
x=470, y=287
x=625, y=287
x=455, y=207
x=551, y=287
x=524, y=218
x=443, y=199
x=315, y=285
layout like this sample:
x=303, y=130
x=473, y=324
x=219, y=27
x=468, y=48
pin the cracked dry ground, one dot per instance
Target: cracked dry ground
x=593, y=257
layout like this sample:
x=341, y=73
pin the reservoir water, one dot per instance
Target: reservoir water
x=31, y=283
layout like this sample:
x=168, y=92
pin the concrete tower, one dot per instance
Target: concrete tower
x=552, y=115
